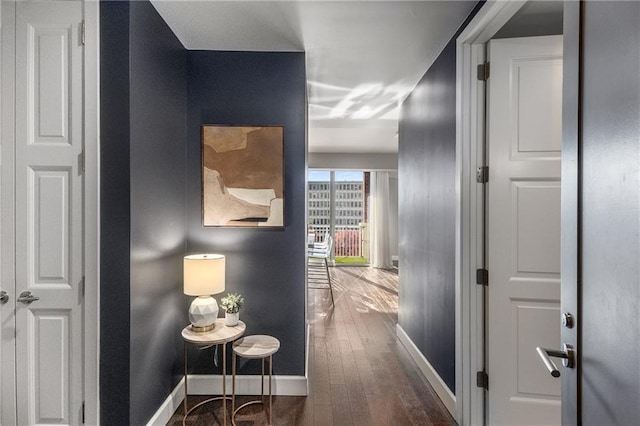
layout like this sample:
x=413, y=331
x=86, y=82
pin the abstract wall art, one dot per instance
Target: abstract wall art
x=243, y=176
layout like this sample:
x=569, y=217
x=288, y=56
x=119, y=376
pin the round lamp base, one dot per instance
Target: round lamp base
x=203, y=313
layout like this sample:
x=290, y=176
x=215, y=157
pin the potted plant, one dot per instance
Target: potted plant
x=232, y=303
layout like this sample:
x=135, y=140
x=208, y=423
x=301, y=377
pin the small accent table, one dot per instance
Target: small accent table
x=220, y=335
x=254, y=347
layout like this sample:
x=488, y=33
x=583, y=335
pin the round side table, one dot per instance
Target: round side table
x=220, y=335
x=253, y=347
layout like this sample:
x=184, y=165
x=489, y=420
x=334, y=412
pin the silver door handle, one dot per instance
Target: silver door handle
x=4, y=297
x=26, y=297
x=567, y=354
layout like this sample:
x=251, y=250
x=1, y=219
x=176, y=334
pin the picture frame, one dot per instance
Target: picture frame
x=242, y=176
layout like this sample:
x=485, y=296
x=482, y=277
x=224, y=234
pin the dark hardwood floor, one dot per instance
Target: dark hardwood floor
x=359, y=373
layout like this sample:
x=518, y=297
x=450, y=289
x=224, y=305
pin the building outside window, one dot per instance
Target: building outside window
x=345, y=218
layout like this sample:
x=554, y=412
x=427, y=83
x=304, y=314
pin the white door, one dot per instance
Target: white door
x=47, y=227
x=523, y=208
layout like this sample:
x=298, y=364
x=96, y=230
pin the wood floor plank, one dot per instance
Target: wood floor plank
x=323, y=415
x=354, y=336
x=355, y=390
x=431, y=404
x=334, y=362
x=362, y=418
x=340, y=407
x=405, y=392
x=320, y=389
x=370, y=382
x=379, y=408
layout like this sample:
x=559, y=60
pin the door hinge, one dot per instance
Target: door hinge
x=482, y=277
x=482, y=174
x=82, y=412
x=82, y=33
x=482, y=380
x=483, y=71
x=82, y=280
x=81, y=163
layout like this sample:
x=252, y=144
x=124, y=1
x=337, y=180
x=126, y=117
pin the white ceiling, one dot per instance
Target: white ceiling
x=363, y=57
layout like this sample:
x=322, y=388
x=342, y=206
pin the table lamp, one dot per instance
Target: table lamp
x=203, y=276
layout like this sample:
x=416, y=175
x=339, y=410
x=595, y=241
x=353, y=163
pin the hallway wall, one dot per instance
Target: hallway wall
x=150, y=202
x=427, y=211
x=427, y=215
x=143, y=115
x=115, y=211
x=158, y=105
x=266, y=265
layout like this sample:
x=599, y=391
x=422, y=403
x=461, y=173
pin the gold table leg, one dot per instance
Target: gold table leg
x=224, y=384
x=185, y=382
x=234, y=410
x=270, y=393
x=233, y=385
x=224, y=396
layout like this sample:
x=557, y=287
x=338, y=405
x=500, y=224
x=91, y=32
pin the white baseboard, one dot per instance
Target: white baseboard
x=169, y=406
x=206, y=384
x=434, y=379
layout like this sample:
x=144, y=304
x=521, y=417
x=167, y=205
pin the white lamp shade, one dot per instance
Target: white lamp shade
x=204, y=274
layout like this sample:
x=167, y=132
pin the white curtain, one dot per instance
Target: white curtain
x=379, y=221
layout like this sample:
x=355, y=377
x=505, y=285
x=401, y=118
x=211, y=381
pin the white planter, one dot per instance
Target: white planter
x=231, y=319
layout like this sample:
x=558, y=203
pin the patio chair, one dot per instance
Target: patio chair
x=319, y=254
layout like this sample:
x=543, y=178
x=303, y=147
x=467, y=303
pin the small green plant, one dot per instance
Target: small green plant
x=232, y=303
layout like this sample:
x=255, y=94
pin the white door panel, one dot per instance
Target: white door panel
x=48, y=205
x=535, y=242
x=523, y=228
x=536, y=113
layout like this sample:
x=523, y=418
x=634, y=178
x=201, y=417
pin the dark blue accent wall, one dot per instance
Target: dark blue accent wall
x=143, y=227
x=158, y=106
x=426, y=173
x=427, y=211
x=115, y=225
x=154, y=97
x=266, y=265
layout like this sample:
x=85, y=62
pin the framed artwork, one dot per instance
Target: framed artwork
x=243, y=176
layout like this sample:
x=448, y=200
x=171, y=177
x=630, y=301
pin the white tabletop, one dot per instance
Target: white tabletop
x=221, y=333
x=258, y=346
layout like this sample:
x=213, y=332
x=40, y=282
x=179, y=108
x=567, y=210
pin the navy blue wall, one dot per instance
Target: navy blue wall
x=426, y=173
x=158, y=108
x=266, y=266
x=115, y=226
x=143, y=119
x=427, y=211
x=150, y=201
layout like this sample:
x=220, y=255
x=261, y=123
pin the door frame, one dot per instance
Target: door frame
x=7, y=215
x=91, y=191
x=470, y=131
x=92, y=211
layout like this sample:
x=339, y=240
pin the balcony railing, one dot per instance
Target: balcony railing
x=347, y=241
x=320, y=231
